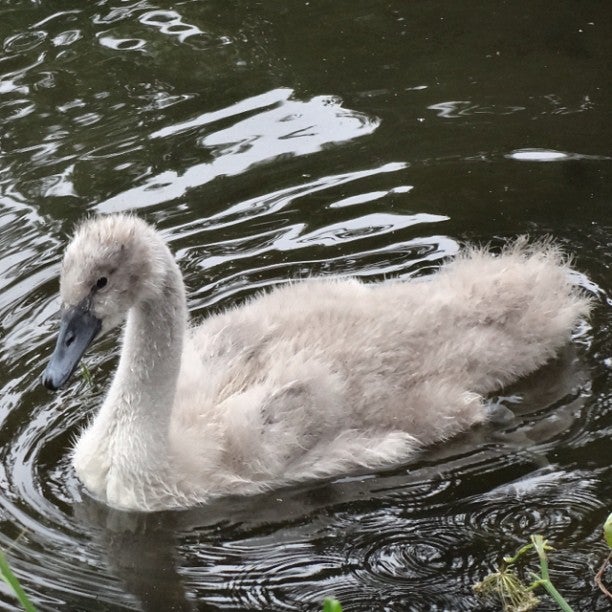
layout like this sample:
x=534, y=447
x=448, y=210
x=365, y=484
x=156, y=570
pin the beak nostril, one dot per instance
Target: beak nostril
x=69, y=339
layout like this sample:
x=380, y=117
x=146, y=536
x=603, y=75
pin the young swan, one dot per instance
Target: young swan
x=313, y=379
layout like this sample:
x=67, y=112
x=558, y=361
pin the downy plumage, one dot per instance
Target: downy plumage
x=312, y=379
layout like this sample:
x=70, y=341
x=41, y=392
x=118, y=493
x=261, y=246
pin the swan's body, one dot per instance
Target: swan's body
x=310, y=380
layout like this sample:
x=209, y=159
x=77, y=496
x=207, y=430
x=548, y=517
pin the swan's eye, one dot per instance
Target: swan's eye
x=101, y=282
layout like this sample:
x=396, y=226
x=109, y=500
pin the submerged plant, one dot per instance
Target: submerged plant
x=7, y=575
x=86, y=374
x=514, y=594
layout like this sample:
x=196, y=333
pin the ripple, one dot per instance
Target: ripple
x=17, y=109
x=24, y=41
x=237, y=569
x=547, y=155
x=364, y=198
x=361, y=227
x=456, y=109
x=122, y=44
x=517, y=507
x=538, y=155
x=68, y=37
x=170, y=23
x=289, y=128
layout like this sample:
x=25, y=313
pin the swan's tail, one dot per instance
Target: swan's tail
x=523, y=307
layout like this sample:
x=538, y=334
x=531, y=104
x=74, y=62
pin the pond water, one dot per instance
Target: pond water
x=275, y=140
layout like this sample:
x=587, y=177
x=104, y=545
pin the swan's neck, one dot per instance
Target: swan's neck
x=142, y=392
x=123, y=455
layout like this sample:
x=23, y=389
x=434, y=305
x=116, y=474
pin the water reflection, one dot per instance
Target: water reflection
x=544, y=155
x=279, y=127
x=460, y=108
x=170, y=23
x=362, y=198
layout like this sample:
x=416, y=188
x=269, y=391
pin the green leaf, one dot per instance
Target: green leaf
x=86, y=374
x=11, y=580
x=608, y=530
x=331, y=605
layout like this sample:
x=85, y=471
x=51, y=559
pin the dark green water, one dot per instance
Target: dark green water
x=273, y=140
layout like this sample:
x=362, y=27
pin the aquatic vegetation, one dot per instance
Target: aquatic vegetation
x=607, y=530
x=331, y=605
x=7, y=575
x=514, y=594
x=87, y=376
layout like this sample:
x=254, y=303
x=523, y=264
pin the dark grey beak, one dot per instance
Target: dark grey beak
x=78, y=328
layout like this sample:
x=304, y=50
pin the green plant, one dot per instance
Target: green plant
x=86, y=374
x=11, y=580
x=331, y=605
x=515, y=595
x=608, y=530
x=608, y=538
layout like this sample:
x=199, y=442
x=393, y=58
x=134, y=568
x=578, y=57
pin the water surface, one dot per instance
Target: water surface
x=272, y=141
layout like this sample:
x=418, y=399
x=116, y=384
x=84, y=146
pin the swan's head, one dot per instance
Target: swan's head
x=108, y=266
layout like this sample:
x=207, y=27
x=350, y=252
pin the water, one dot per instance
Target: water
x=278, y=140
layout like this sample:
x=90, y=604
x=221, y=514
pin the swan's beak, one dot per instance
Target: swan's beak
x=78, y=328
